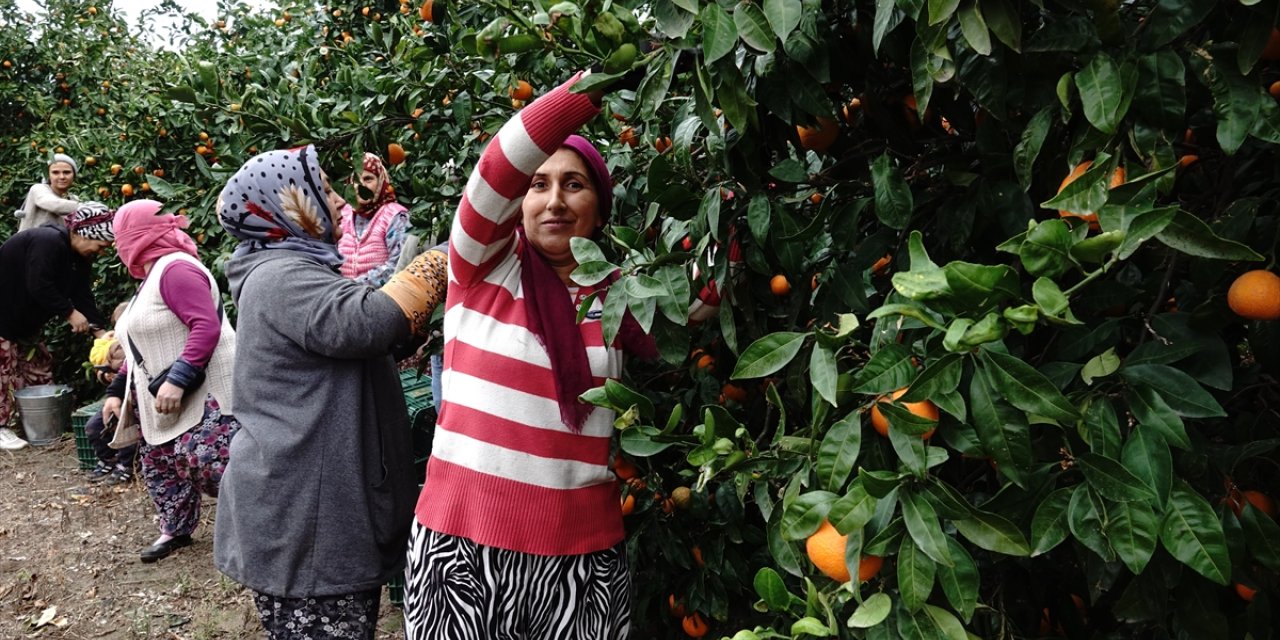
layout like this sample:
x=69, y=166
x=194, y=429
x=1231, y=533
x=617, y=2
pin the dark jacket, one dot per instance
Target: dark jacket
x=42, y=277
x=318, y=495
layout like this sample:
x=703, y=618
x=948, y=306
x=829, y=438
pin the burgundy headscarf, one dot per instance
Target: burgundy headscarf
x=385, y=192
x=143, y=235
x=552, y=317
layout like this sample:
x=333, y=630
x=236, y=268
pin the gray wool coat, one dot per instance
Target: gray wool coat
x=319, y=491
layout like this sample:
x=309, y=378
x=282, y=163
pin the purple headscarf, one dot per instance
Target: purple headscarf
x=277, y=201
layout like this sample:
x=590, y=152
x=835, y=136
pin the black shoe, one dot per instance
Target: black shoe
x=119, y=475
x=100, y=472
x=163, y=549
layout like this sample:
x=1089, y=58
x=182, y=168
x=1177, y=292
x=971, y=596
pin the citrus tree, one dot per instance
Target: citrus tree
x=978, y=341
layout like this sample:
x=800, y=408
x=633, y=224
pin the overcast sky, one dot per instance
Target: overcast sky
x=133, y=8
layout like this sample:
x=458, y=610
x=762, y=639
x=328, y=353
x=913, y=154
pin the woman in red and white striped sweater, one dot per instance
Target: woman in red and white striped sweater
x=518, y=532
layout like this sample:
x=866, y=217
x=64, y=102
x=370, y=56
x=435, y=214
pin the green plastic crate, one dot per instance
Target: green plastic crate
x=84, y=450
x=395, y=590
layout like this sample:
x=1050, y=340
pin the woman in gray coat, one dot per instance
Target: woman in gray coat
x=318, y=495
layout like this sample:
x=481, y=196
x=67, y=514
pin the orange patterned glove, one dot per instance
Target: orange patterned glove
x=419, y=288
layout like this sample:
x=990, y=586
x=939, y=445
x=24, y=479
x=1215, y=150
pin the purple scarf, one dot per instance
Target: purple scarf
x=553, y=320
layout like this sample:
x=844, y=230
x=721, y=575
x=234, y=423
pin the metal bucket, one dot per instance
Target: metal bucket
x=46, y=412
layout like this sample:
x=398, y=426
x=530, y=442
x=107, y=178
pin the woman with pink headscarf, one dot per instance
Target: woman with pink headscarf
x=373, y=233
x=178, y=350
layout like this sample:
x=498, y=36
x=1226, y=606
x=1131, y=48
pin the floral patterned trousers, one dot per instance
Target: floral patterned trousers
x=353, y=616
x=22, y=365
x=178, y=471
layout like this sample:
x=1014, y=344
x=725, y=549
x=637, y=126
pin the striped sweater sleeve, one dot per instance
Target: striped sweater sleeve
x=484, y=228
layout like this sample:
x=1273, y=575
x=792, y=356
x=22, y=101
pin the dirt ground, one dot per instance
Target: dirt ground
x=69, y=563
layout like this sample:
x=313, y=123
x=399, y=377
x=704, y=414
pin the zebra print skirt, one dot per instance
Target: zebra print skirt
x=456, y=589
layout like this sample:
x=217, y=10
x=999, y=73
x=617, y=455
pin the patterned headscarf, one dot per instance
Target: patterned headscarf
x=276, y=201
x=144, y=235
x=383, y=191
x=92, y=220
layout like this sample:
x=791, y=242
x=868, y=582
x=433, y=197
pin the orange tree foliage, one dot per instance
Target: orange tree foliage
x=1099, y=403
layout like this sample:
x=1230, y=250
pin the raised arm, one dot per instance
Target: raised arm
x=484, y=227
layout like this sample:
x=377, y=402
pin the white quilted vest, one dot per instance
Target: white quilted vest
x=159, y=336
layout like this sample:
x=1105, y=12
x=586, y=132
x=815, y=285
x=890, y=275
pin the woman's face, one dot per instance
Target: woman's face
x=332, y=200
x=368, y=180
x=561, y=204
x=61, y=175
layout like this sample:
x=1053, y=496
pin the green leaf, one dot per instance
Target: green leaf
x=1144, y=227
x=1046, y=251
x=889, y=369
x=1106, y=89
x=915, y=575
x=772, y=590
x=904, y=421
x=1161, y=93
x=941, y=10
x=1190, y=235
x=981, y=285
x=960, y=583
x=719, y=35
x=639, y=442
x=768, y=354
x=1132, y=530
x=922, y=523
x=1152, y=412
x=1147, y=455
x=1049, y=525
x=822, y=372
x=854, y=509
x=811, y=626
x=1100, y=366
x=673, y=18
x=783, y=16
x=1086, y=522
x=1029, y=145
x=1181, y=391
x=1262, y=534
x=753, y=27
x=1172, y=18
x=939, y=377
x=1099, y=426
x=181, y=93
x=944, y=623
x=805, y=514
x=1026, y=388
x=758, y=218
x=1003, y=431
x=784, y=552
x=893, y=199
x=993, y=533
x=790, y=170
x=1236, y=99
x=839, y=452
x=1192, y=534
x=974, y=28
x=1111, y=480
x=1004, y=21
x=879, y=483
x=872, y=611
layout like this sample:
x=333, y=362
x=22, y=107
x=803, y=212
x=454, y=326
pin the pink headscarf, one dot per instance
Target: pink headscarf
x=144, y=236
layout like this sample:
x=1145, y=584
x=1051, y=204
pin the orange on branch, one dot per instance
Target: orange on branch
x=924, y=409
x=826, y=549
x=820, y=136
x=522, y=91
x=1255, y=295
x=1117, y=179
x=779, y=285
x=694, y=626
x=395, y=153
